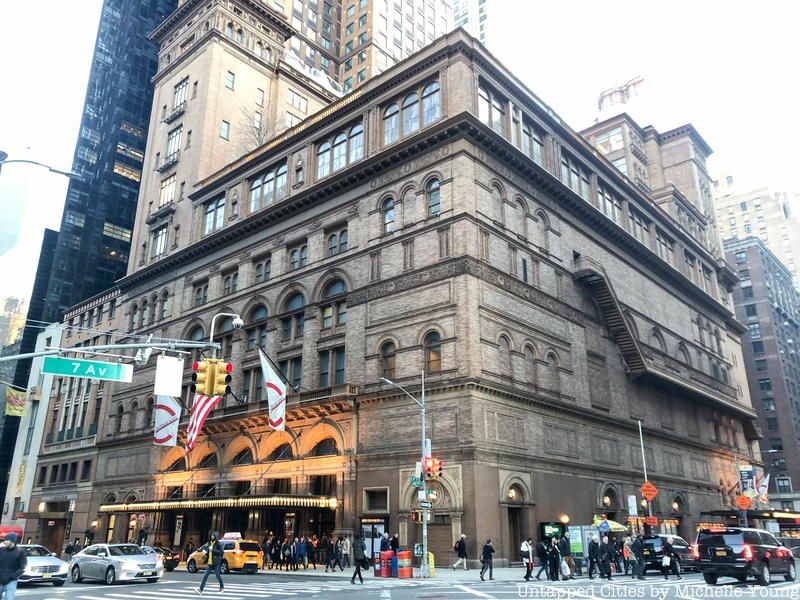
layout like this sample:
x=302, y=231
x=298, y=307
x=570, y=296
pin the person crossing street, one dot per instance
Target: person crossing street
x=12, y=564
x=215, y=554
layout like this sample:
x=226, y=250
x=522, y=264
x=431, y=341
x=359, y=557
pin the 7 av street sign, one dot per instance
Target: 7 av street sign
x=90, y=369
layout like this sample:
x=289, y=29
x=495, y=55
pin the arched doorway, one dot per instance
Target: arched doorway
x=515, y=500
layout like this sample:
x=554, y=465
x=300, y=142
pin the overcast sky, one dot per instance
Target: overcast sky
x=729, y=68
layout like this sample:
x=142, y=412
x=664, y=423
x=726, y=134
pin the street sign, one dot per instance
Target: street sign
x=89, y=369
x=743, y=502
x=425, y=504
x=649, y=491
x=417, y=482
x=651, y=521
x=633, y=510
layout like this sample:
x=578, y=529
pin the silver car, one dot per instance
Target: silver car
x=43, y=566
x=115, y=562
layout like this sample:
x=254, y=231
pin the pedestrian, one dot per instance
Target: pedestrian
x=617, y=546
x=394, y=543
x=337, y=556
x=565, y=549
x=346, y=548
x=68, y=552
x=330, y=554
x=302, y=553
x=214, y=562
x=669, y=559
x=554, y=559
x=275, y=553
x=385, y=543
x=359, y=558
x=626, y=554
x=486, y=559
x=461, y=550
x=311, y=552
x=76, y=545
x=605, y=558
x=544, y=559
x=142, y=539
x=12, y=564
x=188, y=549
x=637, y=549
x=594, y=555
x=265, y=550
x=526, y=552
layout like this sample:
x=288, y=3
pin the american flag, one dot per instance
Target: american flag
x=201, y=408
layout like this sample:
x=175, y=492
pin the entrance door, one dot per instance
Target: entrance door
x=53, y=534
x=372, y=534
x=514, y=532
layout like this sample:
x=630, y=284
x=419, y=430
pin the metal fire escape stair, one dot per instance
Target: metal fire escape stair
x=591, y=274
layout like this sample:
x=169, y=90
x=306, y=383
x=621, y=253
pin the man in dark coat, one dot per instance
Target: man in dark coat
x=12, y=565
x=542, y=555
x=486, y=559
x=637, y=549
x=394, y=543
x=359, y=558
x=386, y=545
x=594, y=556
x=554, y=559
x=461, y=550
x=215, y=555
x=605, y=557
x=566, y=553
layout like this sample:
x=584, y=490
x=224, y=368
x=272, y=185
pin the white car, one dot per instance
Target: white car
x=115, y=562
x=43, y=566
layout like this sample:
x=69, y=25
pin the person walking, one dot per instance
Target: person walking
x=669, y=559
x=359, y=558
x=301, y=553
x=486, y=559
x=337, y=555
x=215, y=554
x=346, y=549
x=526, y=552
x=605, y=558
x=544, y=560
x=12, y=564
x=188, y=549
x=616, y=544
x=311, y=552
x=554, y=559
x=637, y=551
x=565, y=549
x=626, y=554
x=594, y=555
x=461, y=549
x=68, y=552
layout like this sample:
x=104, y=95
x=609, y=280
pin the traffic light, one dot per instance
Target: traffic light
x=222, y=378
x=201, y=378
x=438, y=469
x=429, y=466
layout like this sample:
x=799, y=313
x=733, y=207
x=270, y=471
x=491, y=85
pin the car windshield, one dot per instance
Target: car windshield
x=148, y=550
x=126, y=550
x=36, y=551
x=249, y=547
x=655, y=542
x=719, y=539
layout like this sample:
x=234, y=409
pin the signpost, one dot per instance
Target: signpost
x=89, y=369
x=649, y=491
x=743, y=502
x=425, y=504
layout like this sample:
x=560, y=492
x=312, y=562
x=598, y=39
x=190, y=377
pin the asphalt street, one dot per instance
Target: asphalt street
x=448, y=585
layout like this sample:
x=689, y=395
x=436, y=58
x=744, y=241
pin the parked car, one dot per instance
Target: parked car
x=43, y=566
x=169, y=558
x=115, y=562
x=240, y=555
x=653, y=553
x=742, y=552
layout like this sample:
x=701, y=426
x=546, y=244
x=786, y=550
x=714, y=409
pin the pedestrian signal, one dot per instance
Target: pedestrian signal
x=200, y=378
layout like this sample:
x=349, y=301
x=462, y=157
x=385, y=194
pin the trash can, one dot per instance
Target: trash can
x=404, y=568
x=386, y=563
x=376, y=561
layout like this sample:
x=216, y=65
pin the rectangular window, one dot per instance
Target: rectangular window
x=758, y=347
x=609, y=204
x=761, y=365
x=224, y=130
x=158, y=243
x=297, y=101
x=180, y=92
x=167, y=193
x=609, y=141
x=741, y=257
x=260, y=97
x=776, y=444
x=755, y=330
x=230, y=79
x=173, y=143
x=784, y=485
x=768, y=404
x=127, y=172
x=765, y=384
x=772, y=424
x=750, y=310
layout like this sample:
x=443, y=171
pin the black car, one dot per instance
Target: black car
x=653, y=553
x=170, y=558
x=741, y=552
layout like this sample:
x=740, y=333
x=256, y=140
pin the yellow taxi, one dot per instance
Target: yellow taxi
x=239, y=555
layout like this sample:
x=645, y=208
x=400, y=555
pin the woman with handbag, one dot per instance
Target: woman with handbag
x=359, y=558
x=526, y=553
x=669, y=559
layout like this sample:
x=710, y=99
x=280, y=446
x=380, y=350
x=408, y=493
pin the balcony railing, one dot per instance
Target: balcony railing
x=168, y=161
x=175, y=112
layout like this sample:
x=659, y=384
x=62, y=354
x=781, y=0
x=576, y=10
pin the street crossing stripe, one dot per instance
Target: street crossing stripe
x=474, y=592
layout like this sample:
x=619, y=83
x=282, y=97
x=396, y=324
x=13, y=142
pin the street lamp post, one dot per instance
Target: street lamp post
x=237, y=324
x=4, y=161
x=421, y=405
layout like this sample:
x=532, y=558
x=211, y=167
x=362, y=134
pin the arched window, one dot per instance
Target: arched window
x=134, y=418
x=530, y=365
x=432, y=192
x=326, y=447
x=118, y=419
x=259, y=273
x=388, y=354
x=333, y=244
x=430, y=103
x=145, y=314
x=209, y=461
x=388, y=216
x=239, y=36
x=343, y=240
x=336, y=310
x=255, y=194
x=410, y=114
x=339, y=152
x=505, y=357
x=391, y=124
x=229, y=30
x=280, y=181
x=134, y=315
x=178, y=465
x=257, y=327
x=282, y=452
x=164, y=305
x=293, y=319
x=433, y=352
x=356, y=143
x=259, y=48
x=245, y=457
x=197, y=334
x=269, y=188
x=323, y=160
x=148, y=412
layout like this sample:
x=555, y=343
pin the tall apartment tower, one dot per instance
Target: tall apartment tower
x=472, y=16
x=767, y=302
x=761, y=212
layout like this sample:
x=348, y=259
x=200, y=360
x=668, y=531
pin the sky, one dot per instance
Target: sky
x=728, y=67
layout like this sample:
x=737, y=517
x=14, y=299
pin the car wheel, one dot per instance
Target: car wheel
x=764, y=576
x=58, y=582
x=710, y=578
x=76, y=574
x=791, y=574
x=111, y=576
x=152, y=579
x=191, y=566
x=223, y=567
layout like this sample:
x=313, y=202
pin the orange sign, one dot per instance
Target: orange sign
x=651, y=520
x=649, y=491
x=743, y=502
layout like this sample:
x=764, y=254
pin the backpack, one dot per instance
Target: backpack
x=455, y=546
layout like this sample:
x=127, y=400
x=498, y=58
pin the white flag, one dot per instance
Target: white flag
x=168, y=417
x=276, y=393
x=763, y=487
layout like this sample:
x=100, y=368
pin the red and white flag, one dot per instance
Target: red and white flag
x=763, y=488
x=201, y=408
x=276, y=393
x=168, y=416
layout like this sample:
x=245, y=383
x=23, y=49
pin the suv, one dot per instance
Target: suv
x=239, y=555
x=740, y=552
x=653, y=553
